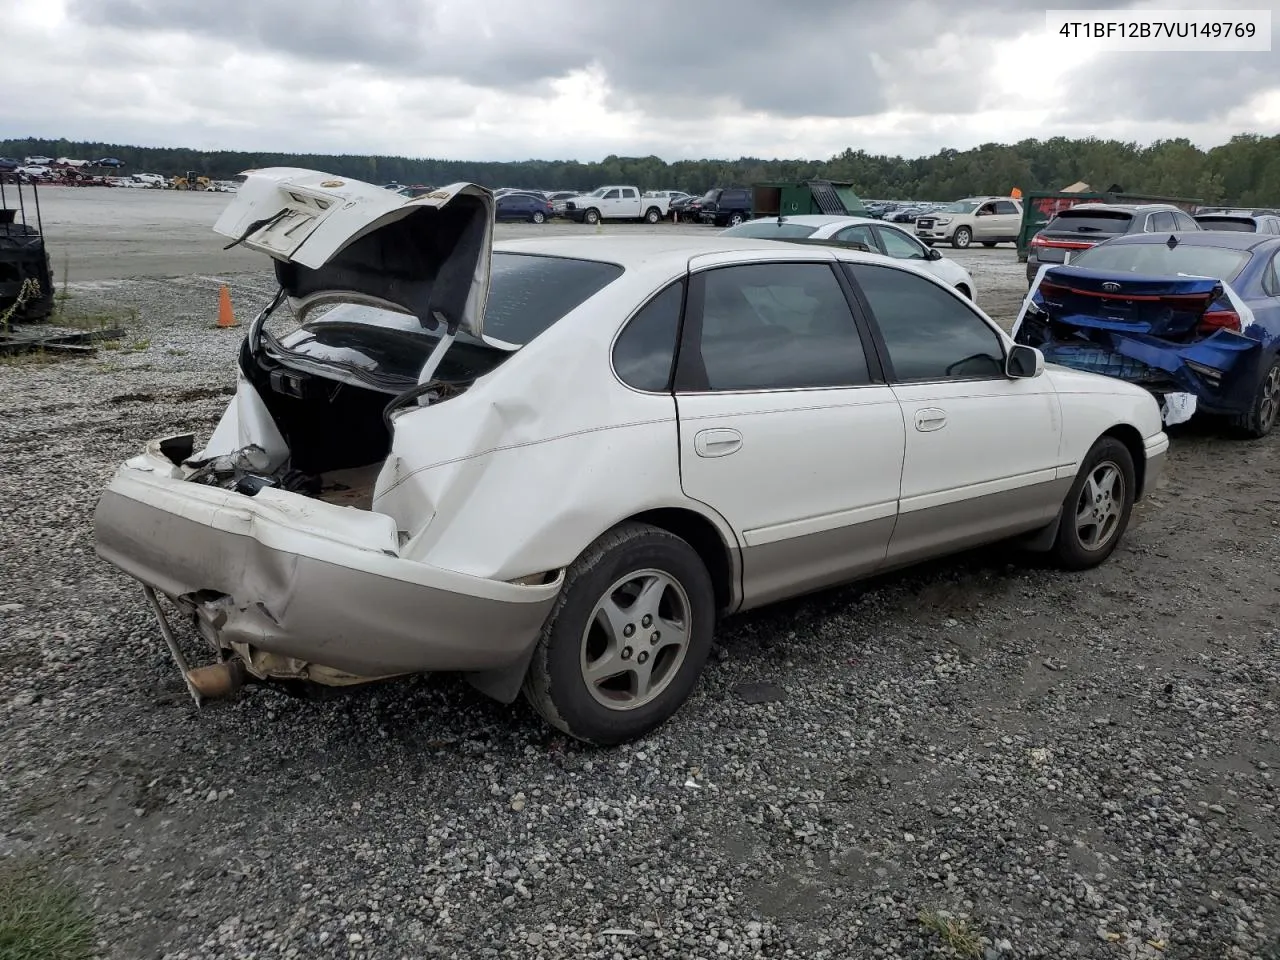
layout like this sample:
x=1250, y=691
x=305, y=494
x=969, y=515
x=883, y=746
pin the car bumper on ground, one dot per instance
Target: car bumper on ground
x=303, y=579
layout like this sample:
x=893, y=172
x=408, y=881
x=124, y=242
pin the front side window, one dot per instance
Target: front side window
x=646, y=349
x=611, y=195
x=930, y=334
x=775, y=326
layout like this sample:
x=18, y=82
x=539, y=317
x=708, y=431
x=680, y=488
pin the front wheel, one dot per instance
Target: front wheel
x=592, y=216
x=627, y=639
x=539, y=217
x=652, y=215
x=1097, y=508
x=962, y=238
x=736, y=218
x=1263, y=411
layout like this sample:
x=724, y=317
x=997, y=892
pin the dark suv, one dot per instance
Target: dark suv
x=726, y=207
x=1088, y=224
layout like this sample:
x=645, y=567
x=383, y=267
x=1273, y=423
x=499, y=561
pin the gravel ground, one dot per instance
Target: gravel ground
x=1076, y=766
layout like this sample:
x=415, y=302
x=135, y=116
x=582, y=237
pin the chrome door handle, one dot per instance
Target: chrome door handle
x=930, y=418
x=716, y=443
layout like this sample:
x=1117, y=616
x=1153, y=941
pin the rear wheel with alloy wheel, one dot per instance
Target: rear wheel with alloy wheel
x=627, y=639
x=1263, y=412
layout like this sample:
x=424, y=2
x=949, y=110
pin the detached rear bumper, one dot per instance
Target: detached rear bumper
x=304, y=579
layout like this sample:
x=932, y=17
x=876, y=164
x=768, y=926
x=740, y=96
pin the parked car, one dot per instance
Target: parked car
x=1239, y=222
x=877, y=237
x=686, y=208
x=988, y=220
x=34, y=171
x=151, y=180
x=520, y=471
x=525, y=207
x=108, y=162
x=69, y=162
x=1086, y=225
x=725, y=206
x=38, y=161
x=558, y=200
x=670, y=195
x=8, y=164
x=615, y=203
x=1190, y=316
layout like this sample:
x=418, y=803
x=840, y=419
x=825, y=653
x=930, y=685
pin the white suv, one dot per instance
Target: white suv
x=987, y=220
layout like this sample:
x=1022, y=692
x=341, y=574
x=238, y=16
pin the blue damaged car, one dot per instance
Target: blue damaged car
x=1193, y=317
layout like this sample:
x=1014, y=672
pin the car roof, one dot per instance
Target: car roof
x=816, y=220
x=649, y=249
x=1203, y=238
x=1122, y=207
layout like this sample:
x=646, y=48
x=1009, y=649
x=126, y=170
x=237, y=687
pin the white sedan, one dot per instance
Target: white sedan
x=554, y=464
x=876, y=235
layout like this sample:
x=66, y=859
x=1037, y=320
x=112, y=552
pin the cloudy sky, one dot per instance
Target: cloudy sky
x=580, y=79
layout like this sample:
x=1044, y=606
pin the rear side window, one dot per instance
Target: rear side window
x=1185, y=222
x=527, y=294
x=1005, y=207
x=646, y=349
x=774, y=326
x=1090, y=221
x=929, y=333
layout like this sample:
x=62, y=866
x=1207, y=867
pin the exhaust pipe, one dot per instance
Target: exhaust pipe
x=217, y=680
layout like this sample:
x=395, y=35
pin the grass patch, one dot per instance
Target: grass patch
x=41, y=919
x=955, y=932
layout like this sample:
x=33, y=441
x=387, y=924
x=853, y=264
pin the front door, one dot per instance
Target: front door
x=982, y=450
x=787, y=429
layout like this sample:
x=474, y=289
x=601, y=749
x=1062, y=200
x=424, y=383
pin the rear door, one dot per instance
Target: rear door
x=982, y=457
x=787, y=428
x=628, y=206
x=1007, y=220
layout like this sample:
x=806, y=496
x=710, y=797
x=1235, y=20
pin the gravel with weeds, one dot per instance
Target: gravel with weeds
x=1063, y=765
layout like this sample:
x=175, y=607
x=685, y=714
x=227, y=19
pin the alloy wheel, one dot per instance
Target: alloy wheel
x=1100, y=506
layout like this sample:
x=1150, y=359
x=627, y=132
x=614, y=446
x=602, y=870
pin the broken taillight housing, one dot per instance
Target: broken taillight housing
x=1214, y=320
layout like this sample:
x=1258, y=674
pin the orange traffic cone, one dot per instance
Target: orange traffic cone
x=226, y=317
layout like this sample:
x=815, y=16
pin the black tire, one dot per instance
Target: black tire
x=961, y=239
x=555, y=685
x=988, y=244
x=591, y=216
x=652, y=215
x=1070, y=550
x=1264, y=409
x=735, y=218
x=538, y=217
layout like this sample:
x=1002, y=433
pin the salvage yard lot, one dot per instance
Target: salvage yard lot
x=1081, y=765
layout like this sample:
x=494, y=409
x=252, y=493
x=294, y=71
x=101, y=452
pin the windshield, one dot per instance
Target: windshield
x=770, y=230
x=598, y=192
x=711, y=195
x=1228, y=223
x=1156, y=259
x=960, y=206
x=1091, y=221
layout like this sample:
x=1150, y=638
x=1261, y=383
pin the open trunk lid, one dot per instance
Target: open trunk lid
x=338, y=239
x=1164, y=307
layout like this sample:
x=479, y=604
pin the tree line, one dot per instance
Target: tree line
x=1245, y=170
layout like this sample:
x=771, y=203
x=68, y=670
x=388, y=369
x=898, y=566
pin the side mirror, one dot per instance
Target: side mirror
x=933, y=254
x=1023, y=362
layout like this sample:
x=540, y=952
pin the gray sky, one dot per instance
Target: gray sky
x=580, y=79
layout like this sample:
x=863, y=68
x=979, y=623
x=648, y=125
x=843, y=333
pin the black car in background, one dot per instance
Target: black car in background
x=1088, y=224
x=725, y=206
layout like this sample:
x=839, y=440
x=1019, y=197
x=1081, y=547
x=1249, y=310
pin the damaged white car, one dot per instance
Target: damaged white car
x=552, y=465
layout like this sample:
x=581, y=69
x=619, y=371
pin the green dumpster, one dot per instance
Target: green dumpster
x=1038, y=208
x=791, y=198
